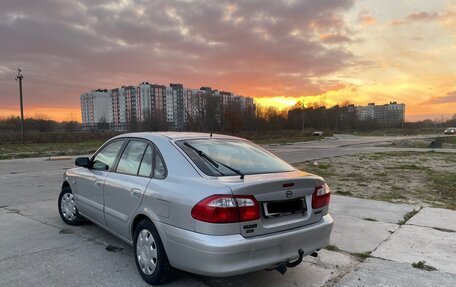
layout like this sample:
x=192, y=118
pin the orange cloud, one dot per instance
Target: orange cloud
x=366, y=20
x=334, y=38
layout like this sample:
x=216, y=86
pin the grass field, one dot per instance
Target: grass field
x=9, y=151
x=421, y=178
x=77, y=143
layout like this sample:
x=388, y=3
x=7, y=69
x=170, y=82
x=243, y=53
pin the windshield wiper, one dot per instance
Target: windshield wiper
x=214, y=162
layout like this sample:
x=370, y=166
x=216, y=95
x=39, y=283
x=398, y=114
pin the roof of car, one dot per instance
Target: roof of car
x=176, y=135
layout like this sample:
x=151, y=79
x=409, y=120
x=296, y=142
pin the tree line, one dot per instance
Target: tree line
x=233, y=119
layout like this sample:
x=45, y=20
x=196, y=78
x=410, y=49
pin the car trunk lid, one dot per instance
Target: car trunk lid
x=285, y=200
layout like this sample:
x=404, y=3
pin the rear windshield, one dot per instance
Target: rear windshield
x=237, y=154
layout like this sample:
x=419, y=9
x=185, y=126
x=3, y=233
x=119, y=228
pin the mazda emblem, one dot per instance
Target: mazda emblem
x=289, y=194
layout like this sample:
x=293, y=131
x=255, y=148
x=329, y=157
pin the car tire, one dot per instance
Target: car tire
x=150, y=255
x=67, y=209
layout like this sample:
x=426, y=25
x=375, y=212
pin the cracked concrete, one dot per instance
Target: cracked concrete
x=376, y=272
x=415, y=243
x=356, y=235
x=438, y=218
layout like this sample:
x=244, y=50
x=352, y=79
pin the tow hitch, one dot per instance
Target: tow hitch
x=282, y=267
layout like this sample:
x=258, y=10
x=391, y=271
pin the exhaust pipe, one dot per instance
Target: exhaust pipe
x=282, y=268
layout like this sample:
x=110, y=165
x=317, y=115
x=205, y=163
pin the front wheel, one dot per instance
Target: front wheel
x=67, y=208
x=150, y=255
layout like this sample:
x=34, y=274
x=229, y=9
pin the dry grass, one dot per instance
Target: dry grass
x=420, y=178
x=10, y=151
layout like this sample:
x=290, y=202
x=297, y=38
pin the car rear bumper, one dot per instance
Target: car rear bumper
x=233, y=254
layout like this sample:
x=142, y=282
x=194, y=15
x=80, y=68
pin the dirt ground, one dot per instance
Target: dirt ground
x=420, y=178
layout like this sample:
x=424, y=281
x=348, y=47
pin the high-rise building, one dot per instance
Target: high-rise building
x=178, y=106
x=159, y=106
x=153, y=102
x=95, y=108
x=388, y=115
x=118, y=109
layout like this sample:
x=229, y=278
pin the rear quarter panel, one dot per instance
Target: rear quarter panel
x=171, y=200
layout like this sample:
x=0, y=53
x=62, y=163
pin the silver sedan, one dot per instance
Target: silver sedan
x=213, y=205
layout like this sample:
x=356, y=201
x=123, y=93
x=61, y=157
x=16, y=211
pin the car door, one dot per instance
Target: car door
x=125, y=187
x=89, y=197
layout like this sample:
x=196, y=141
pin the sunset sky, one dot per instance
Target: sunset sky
x=275, y=51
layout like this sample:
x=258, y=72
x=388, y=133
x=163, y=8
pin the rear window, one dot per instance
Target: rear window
x=237, y=154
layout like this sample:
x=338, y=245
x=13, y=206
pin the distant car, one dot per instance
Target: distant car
x=208, y=204
x=317, y=133
x=450, y=131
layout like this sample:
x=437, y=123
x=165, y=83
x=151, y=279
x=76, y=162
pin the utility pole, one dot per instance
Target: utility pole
x=20, y=77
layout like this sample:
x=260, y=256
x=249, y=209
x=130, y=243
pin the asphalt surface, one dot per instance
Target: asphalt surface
x=340, y=145
x=38, y=249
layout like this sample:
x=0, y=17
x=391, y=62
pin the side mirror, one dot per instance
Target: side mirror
x=82, y=162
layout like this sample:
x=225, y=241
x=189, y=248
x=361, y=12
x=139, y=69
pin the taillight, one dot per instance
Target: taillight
x=227, y=209
x=320, y=197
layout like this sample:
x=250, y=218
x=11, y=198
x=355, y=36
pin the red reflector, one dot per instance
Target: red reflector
x=321, y=196
x=288, y=184
x=226, y=209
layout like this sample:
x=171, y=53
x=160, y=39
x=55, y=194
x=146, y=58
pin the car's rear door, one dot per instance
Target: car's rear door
x=124, y=188
x=90, y=182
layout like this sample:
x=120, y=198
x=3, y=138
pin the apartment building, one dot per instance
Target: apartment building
x=391, y=115
x=171, y=106
x=95, y=108
x=118, y=107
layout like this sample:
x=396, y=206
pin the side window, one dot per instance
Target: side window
x=146, y=164
x=160, y=168
x=106, y=157
x=131, y=157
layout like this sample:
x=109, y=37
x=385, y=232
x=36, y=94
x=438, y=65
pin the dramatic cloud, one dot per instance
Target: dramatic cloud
x=282, y=49
x=66, y=47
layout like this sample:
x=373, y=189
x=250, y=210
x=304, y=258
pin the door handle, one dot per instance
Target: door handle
x=135, y=192
x=98, y=183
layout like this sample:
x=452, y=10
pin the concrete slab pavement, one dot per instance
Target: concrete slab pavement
x=85, y=263
x=326, y=267
x=415, y=243
x=20, y=235
x=366, y=208
x=46, y=212
x=33, y=186
x=380, y=273
x=444, y=219
x=356, y=235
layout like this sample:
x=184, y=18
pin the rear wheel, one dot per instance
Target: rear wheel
x=67, y=208
x=150, y=255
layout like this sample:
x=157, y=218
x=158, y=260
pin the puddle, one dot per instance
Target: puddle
x=113, y=248
x=66, y=231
